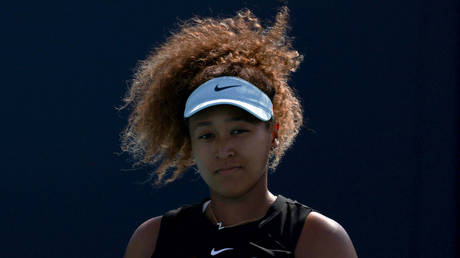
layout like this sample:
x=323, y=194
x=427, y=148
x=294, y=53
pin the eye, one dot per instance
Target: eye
x=205, y=136
x=238, y=131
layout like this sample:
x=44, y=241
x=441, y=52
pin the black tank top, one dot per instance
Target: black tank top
x=186, y=232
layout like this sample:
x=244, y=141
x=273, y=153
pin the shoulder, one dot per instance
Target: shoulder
x=143, y=241
x=323, y=237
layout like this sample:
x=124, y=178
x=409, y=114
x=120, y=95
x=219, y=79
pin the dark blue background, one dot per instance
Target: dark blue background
x=378, y=85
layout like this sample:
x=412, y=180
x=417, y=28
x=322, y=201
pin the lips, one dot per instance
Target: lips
x=228, y=170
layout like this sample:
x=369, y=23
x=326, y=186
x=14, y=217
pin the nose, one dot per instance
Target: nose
x=224, y=149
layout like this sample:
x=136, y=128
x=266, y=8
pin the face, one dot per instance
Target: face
x=231, y=149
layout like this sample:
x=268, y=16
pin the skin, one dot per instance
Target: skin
x=235, y=173
x=231, y=149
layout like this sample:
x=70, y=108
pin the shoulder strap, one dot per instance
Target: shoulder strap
x=296, y=216
x=172, y=223
x=286, y=222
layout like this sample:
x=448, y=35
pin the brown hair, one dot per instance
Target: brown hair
x=202, y=49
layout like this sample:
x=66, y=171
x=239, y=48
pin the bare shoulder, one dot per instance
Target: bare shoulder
x=323, y=237
x=143, y=241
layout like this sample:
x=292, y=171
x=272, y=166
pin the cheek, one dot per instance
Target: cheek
x=195, y=148
x=202, y=164
x=259, y=155
x=267, y=147
x=195, y=154
x=265, y=140
x=200, y=158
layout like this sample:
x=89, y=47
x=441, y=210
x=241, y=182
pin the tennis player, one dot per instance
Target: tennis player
x=215, y=96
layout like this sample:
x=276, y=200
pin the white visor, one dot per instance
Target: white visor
x=228, y=90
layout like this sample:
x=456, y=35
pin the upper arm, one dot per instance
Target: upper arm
x=323, y=237
x=143, y=241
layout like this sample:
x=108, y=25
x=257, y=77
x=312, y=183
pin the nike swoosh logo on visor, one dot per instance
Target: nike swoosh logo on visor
x=225, y=87
x=216, y=252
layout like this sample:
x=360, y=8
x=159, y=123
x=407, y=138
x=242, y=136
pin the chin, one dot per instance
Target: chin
x=233, y=191
x=235, y=187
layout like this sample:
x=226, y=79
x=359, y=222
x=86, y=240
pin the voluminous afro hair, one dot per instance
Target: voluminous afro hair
x=202, y=49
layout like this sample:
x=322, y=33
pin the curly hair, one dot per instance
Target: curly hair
x=202, y=49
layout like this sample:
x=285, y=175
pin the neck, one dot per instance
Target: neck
x=238, y=210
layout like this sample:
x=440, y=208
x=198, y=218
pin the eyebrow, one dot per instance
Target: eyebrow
x=201, y=124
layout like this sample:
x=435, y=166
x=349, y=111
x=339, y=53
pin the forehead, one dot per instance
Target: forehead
x=227, y=112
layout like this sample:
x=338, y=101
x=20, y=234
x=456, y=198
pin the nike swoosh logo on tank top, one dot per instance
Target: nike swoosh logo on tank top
x=216, y=252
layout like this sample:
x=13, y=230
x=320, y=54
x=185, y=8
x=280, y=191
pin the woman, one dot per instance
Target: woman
x=215, y=95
